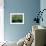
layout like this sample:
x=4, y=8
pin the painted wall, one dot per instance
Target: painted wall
x=29, y=8
x=43, y=6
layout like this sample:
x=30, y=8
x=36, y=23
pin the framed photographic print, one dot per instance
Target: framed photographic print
x=16, y=18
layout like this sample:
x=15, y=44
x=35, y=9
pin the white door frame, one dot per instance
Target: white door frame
x=1, y=20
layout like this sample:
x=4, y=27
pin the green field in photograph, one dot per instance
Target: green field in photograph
x=17, y=18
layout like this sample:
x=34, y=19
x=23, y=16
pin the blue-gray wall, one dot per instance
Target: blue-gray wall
x=29, y=8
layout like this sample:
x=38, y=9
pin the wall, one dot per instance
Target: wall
x=29, y=8
x=43, y=6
